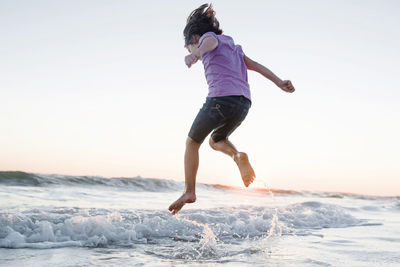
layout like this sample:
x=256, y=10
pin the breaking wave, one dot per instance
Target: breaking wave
x=17, y=178
x=64, y=227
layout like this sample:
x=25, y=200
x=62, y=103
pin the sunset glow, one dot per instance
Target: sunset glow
x=101, y=89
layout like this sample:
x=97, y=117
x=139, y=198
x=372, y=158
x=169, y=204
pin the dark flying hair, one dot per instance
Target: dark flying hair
x=200, y=21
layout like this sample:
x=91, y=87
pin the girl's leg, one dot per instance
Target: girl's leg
x=191, y=167
x=224, y=146
x=241, y=159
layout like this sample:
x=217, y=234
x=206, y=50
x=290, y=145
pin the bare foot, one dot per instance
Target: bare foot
x=178, y=204
x=246, y=171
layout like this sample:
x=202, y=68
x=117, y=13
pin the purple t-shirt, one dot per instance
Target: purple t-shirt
x=224, y=67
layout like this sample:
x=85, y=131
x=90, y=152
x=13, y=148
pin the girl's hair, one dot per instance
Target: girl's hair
x=200, y=21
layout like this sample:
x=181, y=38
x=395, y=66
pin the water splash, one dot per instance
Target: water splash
x=276, y=228
x=205, y=249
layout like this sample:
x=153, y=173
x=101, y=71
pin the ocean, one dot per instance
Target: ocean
x=58, y=220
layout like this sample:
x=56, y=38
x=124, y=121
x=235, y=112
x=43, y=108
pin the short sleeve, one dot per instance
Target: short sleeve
x=240, y=50
x=207, y=34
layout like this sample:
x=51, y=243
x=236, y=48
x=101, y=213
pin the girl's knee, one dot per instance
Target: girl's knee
x=213, y=143
x=192, y=143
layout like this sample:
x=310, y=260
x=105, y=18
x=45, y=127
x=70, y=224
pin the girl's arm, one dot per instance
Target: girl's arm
x=208, y=44
x=284, y=85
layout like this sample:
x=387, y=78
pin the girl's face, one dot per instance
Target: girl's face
x=193, y=44
x=192, y=47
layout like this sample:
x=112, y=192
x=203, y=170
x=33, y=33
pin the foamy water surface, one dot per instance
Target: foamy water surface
x=55, y=220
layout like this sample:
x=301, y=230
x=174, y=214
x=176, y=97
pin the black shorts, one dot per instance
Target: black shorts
x=221, y=114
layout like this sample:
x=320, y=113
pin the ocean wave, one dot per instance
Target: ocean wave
x=63, y=227
x=16, y=178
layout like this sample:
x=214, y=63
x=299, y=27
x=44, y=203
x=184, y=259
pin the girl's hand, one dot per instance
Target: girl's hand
x=286, y=86
x=190, y=60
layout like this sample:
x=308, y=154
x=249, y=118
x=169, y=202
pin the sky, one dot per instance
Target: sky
x=101, y=88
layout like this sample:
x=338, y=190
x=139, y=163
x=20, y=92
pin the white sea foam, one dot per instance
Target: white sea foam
x=101, y=228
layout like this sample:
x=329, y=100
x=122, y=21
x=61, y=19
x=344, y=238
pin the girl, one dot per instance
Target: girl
x=228, y=100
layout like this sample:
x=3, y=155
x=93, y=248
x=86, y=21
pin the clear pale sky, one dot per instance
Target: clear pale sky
x=101, y=88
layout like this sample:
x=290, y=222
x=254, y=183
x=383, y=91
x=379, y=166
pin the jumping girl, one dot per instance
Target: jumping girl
x=228, y=100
